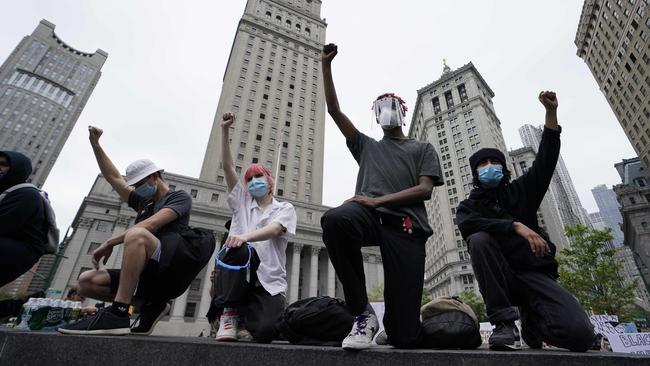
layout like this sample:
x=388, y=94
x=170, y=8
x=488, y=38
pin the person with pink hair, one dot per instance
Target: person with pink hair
x=257, y=240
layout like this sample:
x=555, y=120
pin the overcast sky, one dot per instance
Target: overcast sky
x=162, y=80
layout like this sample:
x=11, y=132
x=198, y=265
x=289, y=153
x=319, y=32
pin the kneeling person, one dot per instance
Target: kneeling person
x=513, y=258
x=161, y=255
x=259, y=232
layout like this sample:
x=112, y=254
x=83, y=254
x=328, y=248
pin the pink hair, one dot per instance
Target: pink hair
x=393, y=95
x=256, y=169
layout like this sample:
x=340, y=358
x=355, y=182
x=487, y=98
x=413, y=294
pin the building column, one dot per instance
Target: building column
x=178, y=310
x=295, y=273
x=366, y=270
x=331, y=279
x=206, y=299
x=313, y=269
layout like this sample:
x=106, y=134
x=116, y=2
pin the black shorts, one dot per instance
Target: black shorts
x=182, y=257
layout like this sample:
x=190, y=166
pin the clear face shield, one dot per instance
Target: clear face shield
x=388, y=112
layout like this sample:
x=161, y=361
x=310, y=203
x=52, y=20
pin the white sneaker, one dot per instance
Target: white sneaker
x=363, y=331
x=228, y=326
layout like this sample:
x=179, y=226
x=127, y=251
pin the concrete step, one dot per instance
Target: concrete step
x=18, y=348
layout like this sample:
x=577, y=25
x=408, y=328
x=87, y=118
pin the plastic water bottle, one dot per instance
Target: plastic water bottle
x=28, y=309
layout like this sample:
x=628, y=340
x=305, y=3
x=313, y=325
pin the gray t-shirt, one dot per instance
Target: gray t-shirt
x=179, y=201
x=393, y=165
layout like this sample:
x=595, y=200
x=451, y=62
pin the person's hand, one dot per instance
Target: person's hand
x=104, y=251
x=227, y=119
x=371, y=202
x=235, y=241
x=538, y=245
x=94, y=134
x=328, y=53
x=548, y=100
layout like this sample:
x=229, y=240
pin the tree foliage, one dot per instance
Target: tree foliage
x=589, y=270
x=376, y=294
x=475, y=302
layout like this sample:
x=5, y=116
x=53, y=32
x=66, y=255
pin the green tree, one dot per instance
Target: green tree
x=475, y=302
x=590, y=272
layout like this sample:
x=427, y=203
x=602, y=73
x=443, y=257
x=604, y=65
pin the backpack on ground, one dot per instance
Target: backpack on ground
x=52, y=243
x=449, y=323
x=323, y=321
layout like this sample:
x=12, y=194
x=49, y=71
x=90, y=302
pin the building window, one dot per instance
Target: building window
x=193, y=193
x=195, y=285
x=280, y=192
x=103, y=226
x=449, y=99
x=92, y=247
x=190, y=309
x=215, y=197
x=462, y=92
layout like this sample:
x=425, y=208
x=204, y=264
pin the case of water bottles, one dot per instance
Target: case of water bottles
x=47, y=314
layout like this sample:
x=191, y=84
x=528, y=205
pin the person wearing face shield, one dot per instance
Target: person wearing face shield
x=161, y=254
x=512, y=257
x=396, y=175
x=257, y=240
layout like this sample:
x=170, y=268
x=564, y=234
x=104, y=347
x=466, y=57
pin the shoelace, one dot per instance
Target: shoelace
x=360, y=323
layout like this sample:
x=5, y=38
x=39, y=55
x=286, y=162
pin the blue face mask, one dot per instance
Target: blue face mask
x=490, y=175
x=258, y=187
x=146, y=191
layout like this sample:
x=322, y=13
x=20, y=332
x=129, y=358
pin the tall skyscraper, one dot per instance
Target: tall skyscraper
x=274, y=85
x=455, y=114
x=44, y=86
x=610, y=210
x=561, y=191
x=633, y=194
x=548, y=215
x=612, y=39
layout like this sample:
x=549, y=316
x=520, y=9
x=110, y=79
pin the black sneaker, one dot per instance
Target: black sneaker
x=505, y=337
x=150, y=314
x=104, y=322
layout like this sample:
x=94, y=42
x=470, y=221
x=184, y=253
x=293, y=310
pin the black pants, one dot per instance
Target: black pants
x=351, y=226
x=547, y=310
x=258, y=310
x=16, y=258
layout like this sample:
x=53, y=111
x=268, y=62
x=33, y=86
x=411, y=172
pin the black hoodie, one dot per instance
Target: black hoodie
x=22, y=214
x=493, y=210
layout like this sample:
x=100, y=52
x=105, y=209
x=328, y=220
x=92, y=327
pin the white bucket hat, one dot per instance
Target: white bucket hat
x=140, y=169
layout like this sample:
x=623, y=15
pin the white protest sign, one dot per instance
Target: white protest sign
x=618, y=339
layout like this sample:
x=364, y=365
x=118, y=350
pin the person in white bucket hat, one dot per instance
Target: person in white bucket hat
x=161, y=253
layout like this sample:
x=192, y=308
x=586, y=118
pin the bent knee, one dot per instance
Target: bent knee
x=138, y=236
x=480, y=241
x=88, y=279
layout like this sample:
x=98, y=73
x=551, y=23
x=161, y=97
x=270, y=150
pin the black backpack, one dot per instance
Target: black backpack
x=322, y=321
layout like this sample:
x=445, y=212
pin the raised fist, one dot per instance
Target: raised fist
x=548, y=100
x=227, y=119
x=94, y=134
x=329, y=52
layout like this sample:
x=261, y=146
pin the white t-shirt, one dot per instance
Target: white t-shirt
x=248, y=216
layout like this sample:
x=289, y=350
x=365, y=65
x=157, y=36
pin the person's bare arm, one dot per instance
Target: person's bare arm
x=109, y=171
x=342, y=121
x=418, y=193
x=226, y=156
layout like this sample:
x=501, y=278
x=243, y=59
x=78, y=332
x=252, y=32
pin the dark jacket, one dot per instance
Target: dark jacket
x=493, y=210
x=22, y=214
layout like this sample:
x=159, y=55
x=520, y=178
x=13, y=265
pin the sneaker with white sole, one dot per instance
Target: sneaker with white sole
x=103, y=322
x=505, y=337
x=228, y=326
x=150, y=314
x=364, y=328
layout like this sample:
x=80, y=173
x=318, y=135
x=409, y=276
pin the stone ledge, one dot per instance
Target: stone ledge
x=52, y=349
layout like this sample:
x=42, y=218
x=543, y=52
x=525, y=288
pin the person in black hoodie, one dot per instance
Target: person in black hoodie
x=513, y=258
x=23, y=228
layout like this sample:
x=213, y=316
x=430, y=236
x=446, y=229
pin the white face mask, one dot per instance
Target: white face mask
x=388, y=113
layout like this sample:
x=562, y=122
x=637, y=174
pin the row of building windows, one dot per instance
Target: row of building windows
x=41, y=87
